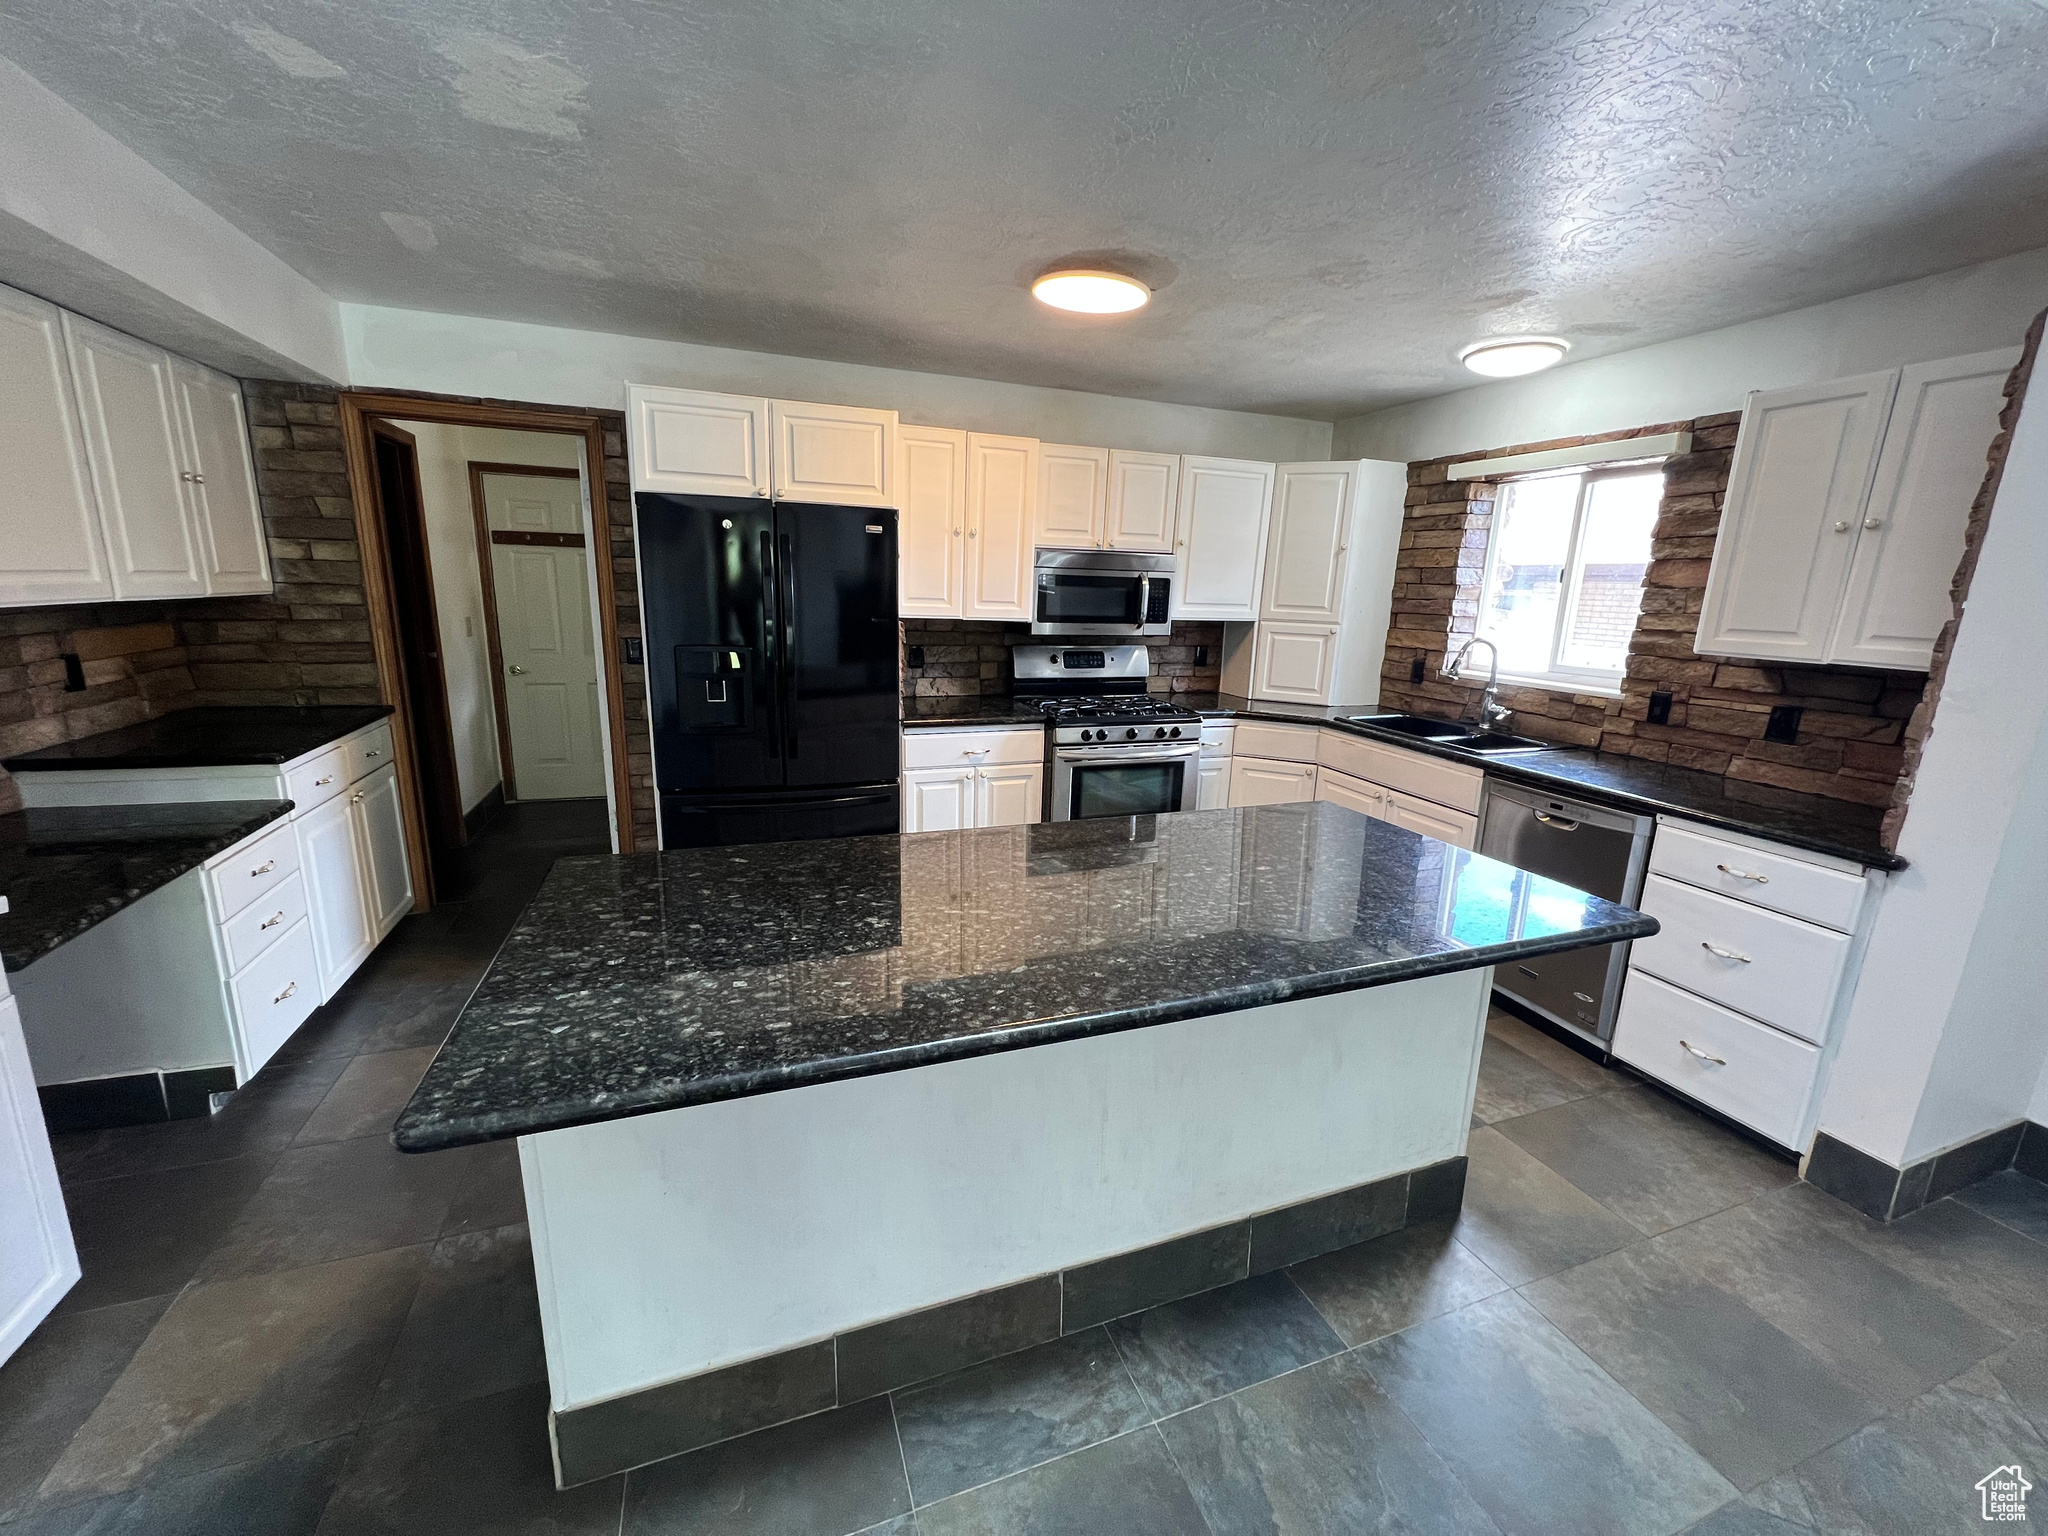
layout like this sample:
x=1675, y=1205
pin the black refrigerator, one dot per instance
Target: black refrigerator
x=771, y=667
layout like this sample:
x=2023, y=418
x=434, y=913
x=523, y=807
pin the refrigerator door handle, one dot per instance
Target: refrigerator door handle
x=785, y=591
x=771, y=639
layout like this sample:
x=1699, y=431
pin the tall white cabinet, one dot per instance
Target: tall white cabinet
x=1220, y=538
x=1002, y=504
x=54, y=550
x=38, y=1261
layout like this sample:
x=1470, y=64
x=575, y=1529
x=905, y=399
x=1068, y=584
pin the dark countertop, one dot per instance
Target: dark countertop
x=1812, y=822
x=215, y=736
x=65, y=869
x=972, y=709
x=654, y=981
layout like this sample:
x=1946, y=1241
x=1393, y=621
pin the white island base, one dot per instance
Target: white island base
x=708, y=1271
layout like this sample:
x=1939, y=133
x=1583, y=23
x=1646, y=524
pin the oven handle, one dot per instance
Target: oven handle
x=1134, y=752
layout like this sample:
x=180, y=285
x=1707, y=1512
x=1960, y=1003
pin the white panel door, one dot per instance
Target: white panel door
x=1928, y=474
x=380, y=827
x=222, y=483
x=1002, y=500
x=1305, y=549
x=1803, y=465
x=1353, y=794
x=38, y=1263
x=938, y=799
x=1212, y=783
x=51, y=549
x=336, y=900
x=1267, y=781
x=839, y=455
x=1431, y=819
x=693, y=442
x=1294, y=662
x=1009, y=796
x=931, y=532
x=1221, y=538
x=130, y=414
x=1144, y=494
x=1073, y=496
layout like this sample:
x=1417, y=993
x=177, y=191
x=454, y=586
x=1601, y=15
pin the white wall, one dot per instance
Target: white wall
x=87, y=223
x=2039, y=1113
x=509, y=360
x=445, y=453
x=1973, y=309
x=1948, y=1032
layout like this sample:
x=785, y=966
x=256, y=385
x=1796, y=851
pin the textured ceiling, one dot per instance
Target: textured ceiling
x=1332, y=195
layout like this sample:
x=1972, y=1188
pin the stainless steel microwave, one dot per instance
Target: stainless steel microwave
x=1101, y=592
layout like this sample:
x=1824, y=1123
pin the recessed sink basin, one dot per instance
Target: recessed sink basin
x=1414, y=725
x=1497, y=743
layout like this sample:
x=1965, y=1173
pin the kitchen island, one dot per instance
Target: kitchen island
x=803, y=1122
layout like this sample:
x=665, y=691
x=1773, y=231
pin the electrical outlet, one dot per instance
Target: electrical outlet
x=1784, y=724
x=913, y=656
x=1201, y=655
x=74, y=673
x=1415, y=672
x=1660, y=708
x=469, y=626
x=636, y=650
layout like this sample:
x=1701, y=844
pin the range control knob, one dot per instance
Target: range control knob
x=1090, y=735
x=1159, y=732
x=1131, y=734
x=1174, y=732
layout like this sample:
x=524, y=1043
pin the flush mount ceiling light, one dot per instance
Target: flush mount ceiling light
x=1506, y=357
x=1091, y=293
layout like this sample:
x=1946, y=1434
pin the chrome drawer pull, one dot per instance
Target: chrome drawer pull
x=1743, y=874
x=976, y=751
x=1719, y=1061
x=372, y=754
x=328, y=780
x=271, y=923
x=287, y=992
x=263, y=869
x=1725, y=954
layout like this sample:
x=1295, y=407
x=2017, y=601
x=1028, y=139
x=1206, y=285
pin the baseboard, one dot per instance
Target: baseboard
x=686, y=1415
x=135, y=1098
x=485, y=811
x=1886, y=1193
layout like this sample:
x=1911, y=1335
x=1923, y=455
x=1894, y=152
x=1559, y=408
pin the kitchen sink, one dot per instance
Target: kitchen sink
x=1448, y=733
x=1497, y=743
x=1414, y=725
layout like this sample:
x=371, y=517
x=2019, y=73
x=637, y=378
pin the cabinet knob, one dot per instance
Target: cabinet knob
x=956, y=533
x=356, y=798
x=1873, y=522
x=974, y=533
x=516, y=670
x=1841, y=527
x=197, y=478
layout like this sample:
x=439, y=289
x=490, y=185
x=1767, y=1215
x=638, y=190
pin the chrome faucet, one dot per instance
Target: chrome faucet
x=1493, y=715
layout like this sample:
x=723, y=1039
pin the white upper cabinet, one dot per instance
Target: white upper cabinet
x=1002, y=500
x=127, y=403
x=692, y=442
x=51, y=550
x=1144, y=491
x=1073, y=496
x=1305, y=549
x=1221, y=538
x=840, y=455
x=220, y=480
x=1911, y=537
x=931, y=532
x=1294, y=662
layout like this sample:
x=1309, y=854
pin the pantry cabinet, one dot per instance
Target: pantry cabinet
x=49, y=520
x=931, y=529
x=1002, y=502
x=1073, y=497
x=1220, y=538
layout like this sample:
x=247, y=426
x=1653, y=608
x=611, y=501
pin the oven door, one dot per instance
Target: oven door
x=1122, y=781
x=1082, y=602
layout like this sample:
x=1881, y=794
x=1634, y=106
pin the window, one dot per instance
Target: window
x=1564, y=575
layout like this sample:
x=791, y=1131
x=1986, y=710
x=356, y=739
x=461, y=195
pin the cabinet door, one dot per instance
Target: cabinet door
x=1294, y=662
x=931, y=533
x=1144, y=491
x=1002, y=499
x=222, y=487
x=691, y=442
x=1306, y=547
x=1911, y=540
x=840, y=455
x=1431, y=819
x=127, y=405
x=336, y=899
x=49, y=517
x=1266, y=781
x=38, y=1263
x=1009, y=796
x=1221, y=538
x=1355, y=794
x=1803, y=462
x=1073, y=496
x=938, y=799
x=380, y=828
x=1212, y=783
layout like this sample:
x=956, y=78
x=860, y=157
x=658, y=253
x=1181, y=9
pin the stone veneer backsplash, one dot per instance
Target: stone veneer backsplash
x=1849, y=745
x=971, y=656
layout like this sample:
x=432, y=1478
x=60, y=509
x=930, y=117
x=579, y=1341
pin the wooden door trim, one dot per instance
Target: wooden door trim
x=355, y=408
x=482, y=520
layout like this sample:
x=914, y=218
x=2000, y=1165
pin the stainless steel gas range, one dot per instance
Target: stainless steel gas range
x=1112, y=749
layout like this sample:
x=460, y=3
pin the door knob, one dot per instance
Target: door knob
x=516, y=670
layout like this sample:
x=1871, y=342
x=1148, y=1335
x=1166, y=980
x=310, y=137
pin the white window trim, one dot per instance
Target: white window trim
x=1615, y=451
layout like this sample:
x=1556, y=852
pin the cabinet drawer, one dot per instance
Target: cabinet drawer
x=1216, y=740
x=274, y=995
x=245, y=873
x=972, y=749
x=1762, y=1078
x=262, y=923
x=1778, y=881
x=319, y=780
x=1771, y=967
x=1288, y=743
x=1413, y=773
x=368, y=752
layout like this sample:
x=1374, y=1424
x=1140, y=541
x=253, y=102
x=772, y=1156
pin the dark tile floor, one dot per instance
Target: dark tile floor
x=1639, y=1324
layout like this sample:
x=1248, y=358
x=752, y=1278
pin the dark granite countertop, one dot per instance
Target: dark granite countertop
x=66, y=869
x=654, y=981
x=969, y=709
x=215, y=736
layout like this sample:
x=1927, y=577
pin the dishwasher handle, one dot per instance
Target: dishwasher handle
x=1557, y=823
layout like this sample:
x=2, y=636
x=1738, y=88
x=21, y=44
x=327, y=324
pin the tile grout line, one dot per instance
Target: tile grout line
x=1181, y=1472
x=902, y=1457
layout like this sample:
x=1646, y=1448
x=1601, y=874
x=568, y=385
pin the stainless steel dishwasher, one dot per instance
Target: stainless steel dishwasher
x=1591, y=848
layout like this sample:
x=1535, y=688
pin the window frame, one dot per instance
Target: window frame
x=1557, y=677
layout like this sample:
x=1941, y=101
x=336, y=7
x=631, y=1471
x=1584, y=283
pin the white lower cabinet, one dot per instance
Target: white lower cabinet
x=953, y=780
x=336, y=891
x=1212, y=783
x=1748, y=1071
x=1432, y=820
x=380, y=848
x=38, y=1262
x=1010, y=796
x=275, y=992
x=1770, y=966
x=1269, y=781
x=938, y=799
x=1353, y=794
